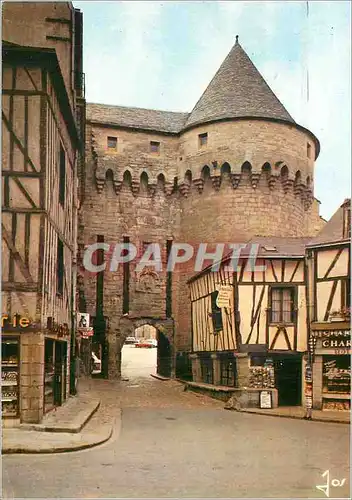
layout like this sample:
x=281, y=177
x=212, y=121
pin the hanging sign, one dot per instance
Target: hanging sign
x=83, y=327
x=82, y=320
x=224, y=296
x=265, y=399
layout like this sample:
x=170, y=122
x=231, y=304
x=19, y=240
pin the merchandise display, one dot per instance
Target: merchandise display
x=9, y=377
x=262, y=377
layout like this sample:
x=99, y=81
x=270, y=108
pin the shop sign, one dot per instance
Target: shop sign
x=265, y=399
x=58, y=329
x=336, y=343
x=331, y=334
x=83, y=320
x=224, y=296
x=86, y=332
x=83, y=328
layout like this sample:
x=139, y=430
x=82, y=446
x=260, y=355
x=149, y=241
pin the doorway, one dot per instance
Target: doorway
x=60, y=376
x=288, y=376
x=139, y=353
x=164, y=355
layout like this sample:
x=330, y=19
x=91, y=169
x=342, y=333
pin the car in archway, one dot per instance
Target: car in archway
x=131, y=340
x=150, y=343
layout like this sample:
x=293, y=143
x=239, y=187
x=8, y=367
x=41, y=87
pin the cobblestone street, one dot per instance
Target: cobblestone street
x=172, y=443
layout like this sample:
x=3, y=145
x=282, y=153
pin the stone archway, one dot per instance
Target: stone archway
x=165, y=338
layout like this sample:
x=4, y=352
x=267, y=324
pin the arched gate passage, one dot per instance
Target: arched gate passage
x=165, y=338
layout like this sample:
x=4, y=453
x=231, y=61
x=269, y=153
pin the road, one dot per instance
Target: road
x=173, y=443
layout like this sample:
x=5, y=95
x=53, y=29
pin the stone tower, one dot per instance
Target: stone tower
x=237, y=166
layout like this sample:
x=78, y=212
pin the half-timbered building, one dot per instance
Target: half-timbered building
x=43, y=123
x=329, y=261
x=265, y=326
x=259, y=339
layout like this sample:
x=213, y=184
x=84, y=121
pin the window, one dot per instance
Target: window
x=203, y=140
x=282, y=305
x=309, y=150
x=126, y=281
x=154, y=147
x=228, y=371
x=346, y=293
x=60, y=267
x=206, y=366
x=62, y=178
x=112, y=142
x=216, y=313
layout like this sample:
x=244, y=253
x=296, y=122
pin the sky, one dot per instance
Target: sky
x=162, y=55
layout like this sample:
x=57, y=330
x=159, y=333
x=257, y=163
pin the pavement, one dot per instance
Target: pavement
x=77, y=425
x=337, y=417
x=91, y=418
x=172, y=443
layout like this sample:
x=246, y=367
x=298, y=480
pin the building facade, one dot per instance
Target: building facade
x=284, y=328
x=236, y=167
x=329, y=261
x=42, y=155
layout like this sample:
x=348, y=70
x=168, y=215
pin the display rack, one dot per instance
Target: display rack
x=10, y=377
x=262, y=377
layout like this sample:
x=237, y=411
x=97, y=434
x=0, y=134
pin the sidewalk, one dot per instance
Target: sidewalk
x=338, y=417
x=78, y=424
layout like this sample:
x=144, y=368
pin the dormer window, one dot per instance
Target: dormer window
x=203, y=140
x=112, y=143
x=154, y=147
x=269, y=248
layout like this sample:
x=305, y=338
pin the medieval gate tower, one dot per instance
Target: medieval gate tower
x=236, y=167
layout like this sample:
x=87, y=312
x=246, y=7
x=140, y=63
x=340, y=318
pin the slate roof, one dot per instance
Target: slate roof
x=332, y=232
x=146, y=119
x=284, y=247
x=237, y=90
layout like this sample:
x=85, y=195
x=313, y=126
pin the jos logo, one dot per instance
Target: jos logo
x=335, y=483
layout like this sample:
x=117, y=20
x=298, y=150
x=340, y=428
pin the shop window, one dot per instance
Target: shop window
x=216, y=313
x=10, y=352
x=282, y=305
x=337, y=374
x=202, y=140
x=62, y=176
x=154, y=147
x=112, y=143
x=228, y=371
x=60, y=267
x=206, y=366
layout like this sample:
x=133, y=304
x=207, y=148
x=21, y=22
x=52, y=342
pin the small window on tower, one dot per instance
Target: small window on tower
x=154, y=147
x=203, y=140
x=309, y=150
x=112, y=142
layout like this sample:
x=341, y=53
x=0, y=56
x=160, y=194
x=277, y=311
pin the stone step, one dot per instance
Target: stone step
x=71, y=417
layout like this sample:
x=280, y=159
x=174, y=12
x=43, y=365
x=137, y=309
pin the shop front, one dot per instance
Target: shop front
x=34, y=369
x=332, y=369
x=279, y=371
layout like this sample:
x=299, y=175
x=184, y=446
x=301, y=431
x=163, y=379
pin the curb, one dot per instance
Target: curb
x=317, y=419
x=72, y=429
x=159, y=377
x=61, y=449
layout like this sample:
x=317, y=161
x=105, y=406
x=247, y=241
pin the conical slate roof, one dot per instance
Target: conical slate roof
x=237, y=90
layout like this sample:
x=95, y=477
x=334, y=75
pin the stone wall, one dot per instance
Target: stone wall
x=259, y=181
